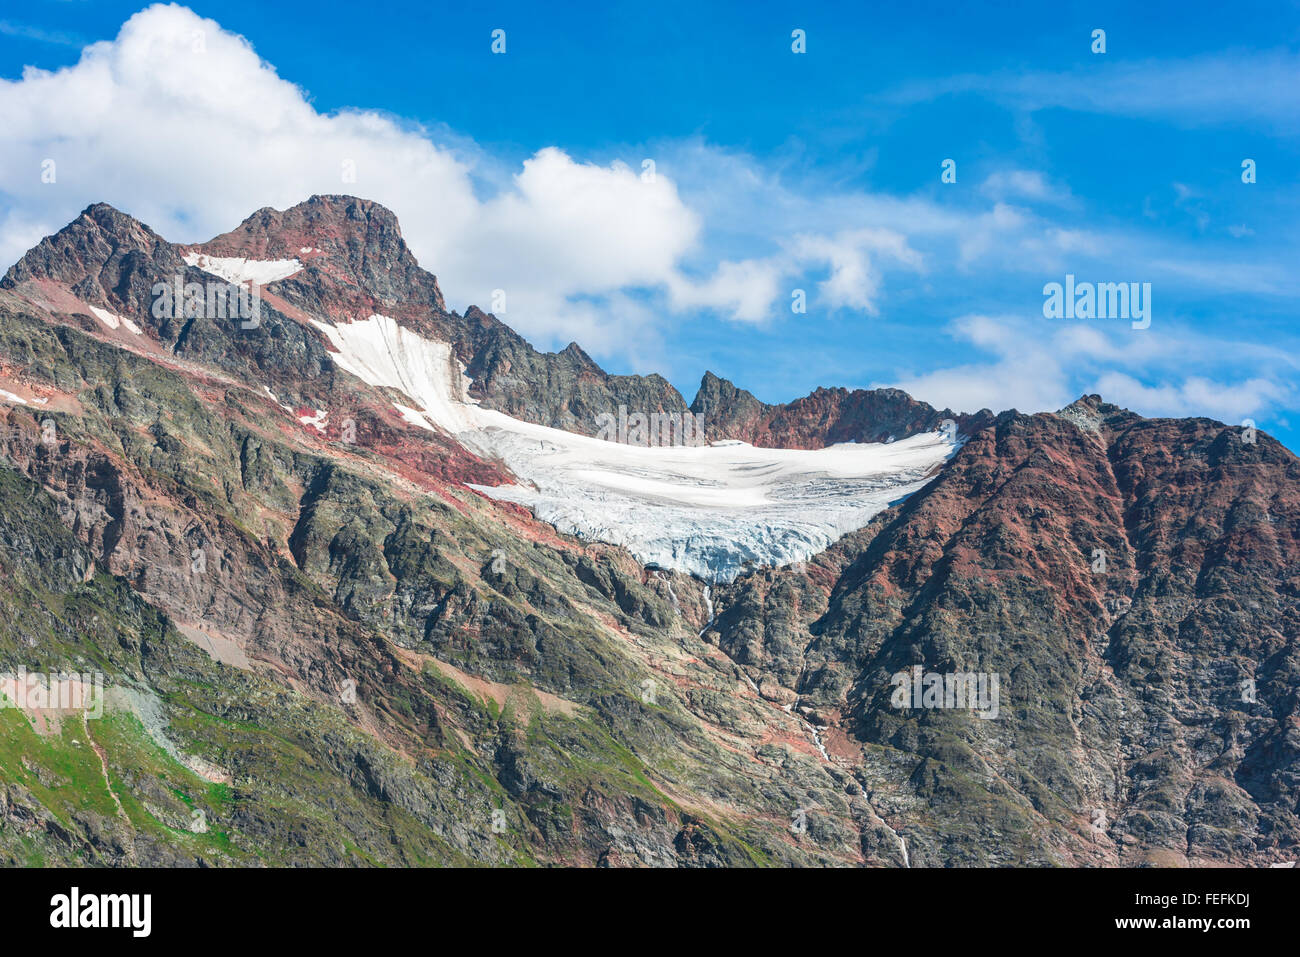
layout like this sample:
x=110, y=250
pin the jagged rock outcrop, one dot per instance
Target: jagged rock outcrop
x=824, y=417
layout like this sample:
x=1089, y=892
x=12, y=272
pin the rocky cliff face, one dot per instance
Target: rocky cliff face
x=321, y=647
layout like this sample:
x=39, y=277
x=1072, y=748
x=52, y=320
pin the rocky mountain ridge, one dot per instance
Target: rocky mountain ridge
x=356, y=263
x=322, y=647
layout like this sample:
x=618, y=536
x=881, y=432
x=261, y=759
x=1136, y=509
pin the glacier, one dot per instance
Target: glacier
x=707, y=510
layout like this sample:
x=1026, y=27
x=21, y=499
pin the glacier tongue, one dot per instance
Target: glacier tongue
x=709, y=510
x=705, y=510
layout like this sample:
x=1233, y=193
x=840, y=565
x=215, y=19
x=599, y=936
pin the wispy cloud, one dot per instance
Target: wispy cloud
x=1229, y=88
x=55, y=37
x=1025, y=184
x=1039, y=365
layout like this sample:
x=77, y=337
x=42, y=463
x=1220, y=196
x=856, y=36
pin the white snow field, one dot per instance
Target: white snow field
x=239, y=270
x=705, y=510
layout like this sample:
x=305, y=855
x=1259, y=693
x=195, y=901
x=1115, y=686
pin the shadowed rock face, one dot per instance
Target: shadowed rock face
x=318, y=636
x=104, y=256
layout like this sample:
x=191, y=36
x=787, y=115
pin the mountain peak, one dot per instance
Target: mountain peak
x=357, y=241
x=88, y=253
x=1092, y=413
x=1092, y=403
x=579, y=356
x=342, y=212
x=721, y=399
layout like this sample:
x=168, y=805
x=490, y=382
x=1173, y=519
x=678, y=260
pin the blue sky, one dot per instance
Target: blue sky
x=774, y=171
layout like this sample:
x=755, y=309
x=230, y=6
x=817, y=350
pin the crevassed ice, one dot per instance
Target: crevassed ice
x=705, y=510
x=238, y=269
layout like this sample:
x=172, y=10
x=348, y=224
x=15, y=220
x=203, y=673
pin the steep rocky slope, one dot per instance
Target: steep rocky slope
x=1148, y=700
x=322, y=647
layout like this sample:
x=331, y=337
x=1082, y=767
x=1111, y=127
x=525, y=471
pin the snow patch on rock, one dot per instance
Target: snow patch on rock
x=379, y=351
x=114, y=321
x=239, y=270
